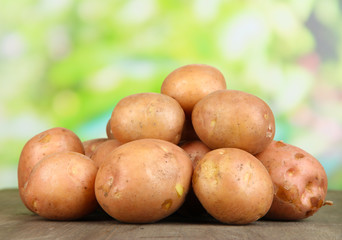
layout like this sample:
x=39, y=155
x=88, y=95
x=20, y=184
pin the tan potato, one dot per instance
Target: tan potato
x=45, y=143
x=143, y=181
x=147, y=115
x=109, y=130
x=61, y=187
x=299, y=179
x=91, y=145
x=234, y=119
x=233, y=186
x=196, y=151
x=190, y=83
x=103, y=150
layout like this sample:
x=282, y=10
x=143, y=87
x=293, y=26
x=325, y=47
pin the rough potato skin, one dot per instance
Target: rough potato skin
x=196, y=150
x=143, y=181
x=147, y=115
x=50, y=141
x=91, y=145
x=234, y=119
x=61, y=186
x=233, y=186
x=299, y=179
x=190, y=83
x=103, y=150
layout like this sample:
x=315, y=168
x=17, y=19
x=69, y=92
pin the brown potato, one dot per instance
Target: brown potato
x=103, y=150
x=143, y=181
x=190, y=83
x=196, y=151
x=61, y=186
x=299, y=179
x=234, y=119
x=91, y=145
x=147, y=115
x=45, y=143
x=233, y=186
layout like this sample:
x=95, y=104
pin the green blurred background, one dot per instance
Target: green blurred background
x=67, y=63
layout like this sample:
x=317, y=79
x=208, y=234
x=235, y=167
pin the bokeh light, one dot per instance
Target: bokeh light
x=67, y=63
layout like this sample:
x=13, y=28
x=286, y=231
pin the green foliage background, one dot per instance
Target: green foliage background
x=67, y=63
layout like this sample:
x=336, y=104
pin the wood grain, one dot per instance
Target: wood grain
x=16, y=222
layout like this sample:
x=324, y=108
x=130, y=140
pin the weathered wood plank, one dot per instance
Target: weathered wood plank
x=16, y=222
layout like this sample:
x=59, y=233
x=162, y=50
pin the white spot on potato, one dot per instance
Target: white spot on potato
x=269, y=131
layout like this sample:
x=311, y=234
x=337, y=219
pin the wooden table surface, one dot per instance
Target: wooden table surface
x=16, y=222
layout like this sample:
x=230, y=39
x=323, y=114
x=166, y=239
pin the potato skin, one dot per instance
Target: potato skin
x=191, y=206
x=196, y=150
x=50, y=141
x=103, y=150
x=147, y=115
x=91, y=145
x=234, y=119
x=190, y=83
x=61, y=186
x=143, y=181
x=233, y=186
x=299, y=179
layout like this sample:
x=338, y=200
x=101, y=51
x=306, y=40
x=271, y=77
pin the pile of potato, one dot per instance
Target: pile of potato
x=196, y=148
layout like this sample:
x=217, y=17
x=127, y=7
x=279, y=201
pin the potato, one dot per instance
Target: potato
x=299, y=179
x=147, y=115
x=61, y=186
x=45, y=143
x=143, y=181
x=103, y=150
x=234, y=119
x=91, y=145
x=233, y=186
x=196, y=151
x=190, y=83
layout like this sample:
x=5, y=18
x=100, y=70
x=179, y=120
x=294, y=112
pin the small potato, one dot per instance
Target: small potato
x=143, y=181
x=147, y=115
x=91, y=145
x=61, y=187
x=45, y=143
x=234, y=119
x=300, y=181
x=190, y=83
x=196, y=150
x=103, y=150
x=233, y=186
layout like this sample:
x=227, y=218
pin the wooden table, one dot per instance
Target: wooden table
x=16, y=222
